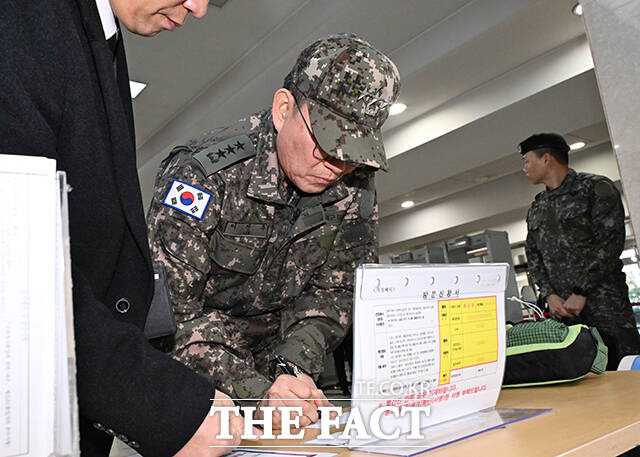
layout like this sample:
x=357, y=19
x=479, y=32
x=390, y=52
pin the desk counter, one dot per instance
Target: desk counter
x=597, y=416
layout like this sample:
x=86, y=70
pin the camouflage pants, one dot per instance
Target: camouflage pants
x=621, y=342
x=234, y=352
x=608, y=309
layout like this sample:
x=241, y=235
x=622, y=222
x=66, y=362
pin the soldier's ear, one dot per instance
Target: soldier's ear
x=281, y=107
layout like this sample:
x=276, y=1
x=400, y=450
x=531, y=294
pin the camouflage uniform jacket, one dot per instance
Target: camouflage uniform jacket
x=274, y=266
x=575, y=238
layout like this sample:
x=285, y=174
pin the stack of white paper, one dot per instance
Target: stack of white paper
x=37, y=362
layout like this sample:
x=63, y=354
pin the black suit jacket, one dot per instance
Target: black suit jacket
x=60, y=97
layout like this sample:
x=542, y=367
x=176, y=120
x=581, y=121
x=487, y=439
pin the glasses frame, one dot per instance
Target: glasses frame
x=316, y=145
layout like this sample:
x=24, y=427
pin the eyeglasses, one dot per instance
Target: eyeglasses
x=316, y=146
x=323, y=156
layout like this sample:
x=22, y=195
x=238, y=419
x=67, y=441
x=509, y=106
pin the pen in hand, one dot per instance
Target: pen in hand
x=292, y=370
x=285, y=367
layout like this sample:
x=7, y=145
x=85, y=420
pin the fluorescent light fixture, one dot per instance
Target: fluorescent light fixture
x=407, y=204
x=397, y=108
x=577, y=10
x=136, y=88
x=577, y=145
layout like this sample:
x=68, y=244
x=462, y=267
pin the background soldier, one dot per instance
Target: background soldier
x=574, y=241
x=261, y=224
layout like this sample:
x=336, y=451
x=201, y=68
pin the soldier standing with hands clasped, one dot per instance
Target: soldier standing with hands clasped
x=575, y=238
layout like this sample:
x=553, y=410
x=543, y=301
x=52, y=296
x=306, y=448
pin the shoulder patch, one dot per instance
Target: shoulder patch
x=224, y=154
x=187, y=199
x=604, y=189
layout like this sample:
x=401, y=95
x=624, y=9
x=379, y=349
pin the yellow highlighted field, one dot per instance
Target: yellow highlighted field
x=468, y=334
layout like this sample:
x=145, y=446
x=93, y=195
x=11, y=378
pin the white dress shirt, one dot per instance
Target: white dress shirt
x=107, y=18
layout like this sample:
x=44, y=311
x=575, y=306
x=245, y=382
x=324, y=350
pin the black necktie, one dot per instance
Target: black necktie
x=113, y=43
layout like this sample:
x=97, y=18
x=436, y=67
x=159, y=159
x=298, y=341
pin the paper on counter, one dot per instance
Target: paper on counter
x=244, y=452
x=335, y=440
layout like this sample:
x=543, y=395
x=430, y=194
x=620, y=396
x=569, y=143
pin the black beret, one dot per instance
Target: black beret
x=543, y=140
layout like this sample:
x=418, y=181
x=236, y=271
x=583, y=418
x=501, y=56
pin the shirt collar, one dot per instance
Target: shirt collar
x=107, y=18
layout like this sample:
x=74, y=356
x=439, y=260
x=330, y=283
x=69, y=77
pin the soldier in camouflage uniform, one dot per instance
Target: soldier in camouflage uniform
x=575, y=238
x=261, y=224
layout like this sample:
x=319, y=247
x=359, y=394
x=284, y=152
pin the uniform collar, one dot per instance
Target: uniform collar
x=266, y=182
x=564, y=186
x=566, y=182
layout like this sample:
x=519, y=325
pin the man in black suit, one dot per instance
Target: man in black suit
x=64, y=94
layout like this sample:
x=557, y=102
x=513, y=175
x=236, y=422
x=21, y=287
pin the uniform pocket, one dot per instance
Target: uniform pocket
x=572, y=209
x=235, y=256
x=574, y=219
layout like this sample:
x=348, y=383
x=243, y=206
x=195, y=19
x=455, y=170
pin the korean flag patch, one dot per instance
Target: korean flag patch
x=187, y=199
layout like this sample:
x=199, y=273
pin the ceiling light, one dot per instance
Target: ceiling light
x=407, y=204
x=577, y=145
x=577, y=10
x=136, y=88
x=397, y=108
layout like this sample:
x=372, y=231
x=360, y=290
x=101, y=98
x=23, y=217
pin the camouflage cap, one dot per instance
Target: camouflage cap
x=349, y=87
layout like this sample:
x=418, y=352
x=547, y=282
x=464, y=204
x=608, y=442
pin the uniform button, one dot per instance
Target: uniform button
x=99, y=426
x=123, y=438
x=110, y=432
x=134, y=444
x=122, y=305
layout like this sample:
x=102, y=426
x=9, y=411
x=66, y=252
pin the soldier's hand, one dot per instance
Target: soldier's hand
x=575, y=304
x=556, y=306
x=298, y=391
x=207, y=434
x=316, y=394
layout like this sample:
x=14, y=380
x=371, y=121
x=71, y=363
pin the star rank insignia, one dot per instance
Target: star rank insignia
x=220, y=155
x=373, y=102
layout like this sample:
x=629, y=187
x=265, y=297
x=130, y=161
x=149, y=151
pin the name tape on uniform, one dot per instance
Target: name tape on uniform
x=187, y=199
